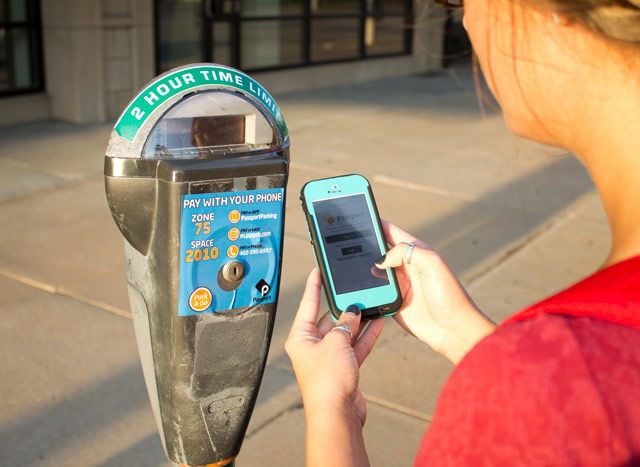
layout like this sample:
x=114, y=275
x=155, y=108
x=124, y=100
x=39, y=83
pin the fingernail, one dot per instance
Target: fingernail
x=353, y=309
x=381, y=260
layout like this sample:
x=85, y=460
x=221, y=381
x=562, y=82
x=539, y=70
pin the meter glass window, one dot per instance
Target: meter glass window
x=210, y=124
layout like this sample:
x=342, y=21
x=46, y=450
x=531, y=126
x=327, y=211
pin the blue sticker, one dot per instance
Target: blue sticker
x=229, y=250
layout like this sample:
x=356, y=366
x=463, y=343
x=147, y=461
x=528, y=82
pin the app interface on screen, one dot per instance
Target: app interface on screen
x=347, y=233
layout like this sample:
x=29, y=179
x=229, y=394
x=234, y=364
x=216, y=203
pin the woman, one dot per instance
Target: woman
x=559, y=383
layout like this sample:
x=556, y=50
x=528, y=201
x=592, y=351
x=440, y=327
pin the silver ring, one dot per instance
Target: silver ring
x=343, y=327
x=408, y=252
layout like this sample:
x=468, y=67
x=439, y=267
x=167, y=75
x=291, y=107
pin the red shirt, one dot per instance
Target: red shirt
x=557, y=384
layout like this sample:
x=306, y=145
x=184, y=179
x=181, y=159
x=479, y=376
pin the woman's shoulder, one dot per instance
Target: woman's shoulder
x=549, y=386
x=559, y=336
x=547, y=351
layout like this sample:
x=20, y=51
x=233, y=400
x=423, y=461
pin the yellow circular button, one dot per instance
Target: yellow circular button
x=200, y=299
x=233, y=251
x=234, y=216
x=233, y=234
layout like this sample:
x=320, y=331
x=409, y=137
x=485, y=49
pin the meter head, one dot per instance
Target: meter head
x=211, y=124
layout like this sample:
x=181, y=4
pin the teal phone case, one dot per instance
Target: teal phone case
x=344, y=209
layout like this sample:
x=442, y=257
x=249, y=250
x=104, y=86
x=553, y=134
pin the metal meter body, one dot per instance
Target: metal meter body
x=195, y=172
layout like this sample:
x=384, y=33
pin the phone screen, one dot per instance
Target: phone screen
x=350, y=244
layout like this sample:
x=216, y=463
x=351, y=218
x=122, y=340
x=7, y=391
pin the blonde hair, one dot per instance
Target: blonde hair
x=616, y=19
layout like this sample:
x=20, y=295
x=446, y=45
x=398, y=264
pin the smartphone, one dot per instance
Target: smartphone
x=347, y=239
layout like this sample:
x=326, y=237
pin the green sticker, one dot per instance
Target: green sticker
x=184, y=79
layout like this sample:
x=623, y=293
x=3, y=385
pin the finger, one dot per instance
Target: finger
x=397, y=256
x=405, y=254
x=367, y=339
x=309, y=303
x=351, y=319
x=395, y=234
x=325, y=324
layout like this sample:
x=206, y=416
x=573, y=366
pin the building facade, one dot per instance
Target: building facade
x=81, y=61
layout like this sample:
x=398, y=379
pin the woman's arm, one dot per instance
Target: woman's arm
x=327, y=362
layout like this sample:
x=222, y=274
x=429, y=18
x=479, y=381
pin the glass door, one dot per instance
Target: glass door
x=222, y=27
x=260, y=35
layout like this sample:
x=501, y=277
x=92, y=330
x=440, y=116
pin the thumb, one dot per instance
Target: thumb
x=349, y=322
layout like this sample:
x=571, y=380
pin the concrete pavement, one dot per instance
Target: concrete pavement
x=515, y=220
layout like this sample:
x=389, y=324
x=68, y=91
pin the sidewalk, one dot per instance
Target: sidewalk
x=515, y=220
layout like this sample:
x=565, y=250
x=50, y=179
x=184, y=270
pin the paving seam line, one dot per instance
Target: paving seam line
x=54, y=290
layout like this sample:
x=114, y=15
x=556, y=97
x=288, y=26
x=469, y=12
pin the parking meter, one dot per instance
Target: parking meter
x=195, y=172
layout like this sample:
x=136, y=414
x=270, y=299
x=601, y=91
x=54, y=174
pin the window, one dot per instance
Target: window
x=334, y=39
x=258, y=35
x=20, y=47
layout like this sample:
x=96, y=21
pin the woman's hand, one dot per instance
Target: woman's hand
x=326, y=360
x=436, y=308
